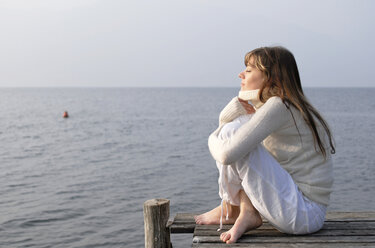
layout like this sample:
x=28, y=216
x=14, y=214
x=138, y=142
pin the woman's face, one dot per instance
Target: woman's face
x=252, y=77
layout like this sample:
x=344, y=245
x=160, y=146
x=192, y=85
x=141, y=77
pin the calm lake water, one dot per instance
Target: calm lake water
x=82, y=181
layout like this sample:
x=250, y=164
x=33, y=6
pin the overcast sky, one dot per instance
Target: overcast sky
x=109, y=43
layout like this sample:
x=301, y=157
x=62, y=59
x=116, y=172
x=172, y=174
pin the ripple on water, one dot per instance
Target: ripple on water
x=57, y=215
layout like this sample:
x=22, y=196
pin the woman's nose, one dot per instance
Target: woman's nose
x=241, y=75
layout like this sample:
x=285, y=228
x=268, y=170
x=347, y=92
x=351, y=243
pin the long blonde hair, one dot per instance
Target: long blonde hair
x=282, y=79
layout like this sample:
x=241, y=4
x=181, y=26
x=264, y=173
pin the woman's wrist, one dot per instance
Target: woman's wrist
x=230, y=112
x=248, y=107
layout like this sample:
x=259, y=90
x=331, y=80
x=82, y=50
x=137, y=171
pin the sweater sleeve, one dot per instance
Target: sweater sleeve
x=230, y=112
x=270, y=117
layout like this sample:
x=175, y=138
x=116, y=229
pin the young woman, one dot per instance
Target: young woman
x=274, y=155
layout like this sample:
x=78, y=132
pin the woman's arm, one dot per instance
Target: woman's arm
x=267, y=119
x=230, y=112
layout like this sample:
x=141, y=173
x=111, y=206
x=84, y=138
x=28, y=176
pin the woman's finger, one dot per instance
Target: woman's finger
x=248, y=107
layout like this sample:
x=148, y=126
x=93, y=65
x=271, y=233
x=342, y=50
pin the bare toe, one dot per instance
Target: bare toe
x=222, y=236
x=231, y=240
x=245, y=222
x=226, y=236
x=198, y=219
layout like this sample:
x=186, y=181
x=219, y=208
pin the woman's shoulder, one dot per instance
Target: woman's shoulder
x=275, y=102
x=275, y=99
x=276, y=111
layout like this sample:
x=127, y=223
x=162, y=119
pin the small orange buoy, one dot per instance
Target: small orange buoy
x=65, y=115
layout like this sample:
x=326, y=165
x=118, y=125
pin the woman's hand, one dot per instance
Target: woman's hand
x=248, y=107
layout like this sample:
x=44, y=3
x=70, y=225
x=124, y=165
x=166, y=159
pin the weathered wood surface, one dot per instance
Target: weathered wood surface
x=285, y=245
x=156, y=214
x=267, y=231
x=341, y=229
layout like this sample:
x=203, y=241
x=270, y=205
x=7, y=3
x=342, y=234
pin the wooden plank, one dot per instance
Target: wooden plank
x=367, y=227
x=327, y=226
x=185, y=217
x=276, y=233
x=291, y=239
x=343, y=225
x=182, y=223
x=182, y=228
x=283, y=245
x=350, y=216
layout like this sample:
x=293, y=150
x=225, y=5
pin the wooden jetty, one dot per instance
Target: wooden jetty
x=341, y=229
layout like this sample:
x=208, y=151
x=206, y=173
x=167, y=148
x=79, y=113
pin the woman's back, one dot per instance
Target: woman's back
x=293, y=146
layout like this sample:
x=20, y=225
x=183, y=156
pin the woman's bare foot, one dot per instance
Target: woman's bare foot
x=213, y=217
x=247, y=221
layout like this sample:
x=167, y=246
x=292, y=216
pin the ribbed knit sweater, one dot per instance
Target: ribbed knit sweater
x=293, y=148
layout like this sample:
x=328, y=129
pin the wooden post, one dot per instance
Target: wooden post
x=156, y=214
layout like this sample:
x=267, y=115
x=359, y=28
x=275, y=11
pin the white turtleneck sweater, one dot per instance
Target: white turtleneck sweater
x=273, y=125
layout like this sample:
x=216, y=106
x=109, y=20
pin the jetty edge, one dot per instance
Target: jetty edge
x=340, y=229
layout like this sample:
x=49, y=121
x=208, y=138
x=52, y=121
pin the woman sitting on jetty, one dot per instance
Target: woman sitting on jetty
x=273, y=155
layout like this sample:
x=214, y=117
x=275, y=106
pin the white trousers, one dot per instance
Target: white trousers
x=269, y=187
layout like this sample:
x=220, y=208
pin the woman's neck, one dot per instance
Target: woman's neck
x=252, y=96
